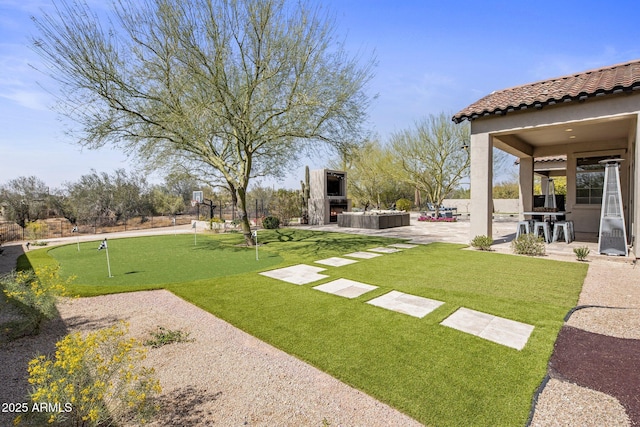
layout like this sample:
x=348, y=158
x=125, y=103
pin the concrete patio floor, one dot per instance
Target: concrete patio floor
x=504, y=231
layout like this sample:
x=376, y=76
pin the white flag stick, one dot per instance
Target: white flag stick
x=75, y=230
x=105, y=246
x=108, y=263
x=255, y=234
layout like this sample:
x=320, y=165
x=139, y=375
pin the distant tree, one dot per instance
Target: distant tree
x=165, y=203
x=181, y=183
x=261, y=195
x=371, y=178
x=108, y=197
x=64, y=206
x=239, y=89
x=430, y=156
x=129, y=194
x=460, y=193
x=506, y=190
x=25, y=199
x=559, y=185
x=285, y=205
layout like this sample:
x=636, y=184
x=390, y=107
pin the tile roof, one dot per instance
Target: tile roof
x=546, y=159
x=574, y=87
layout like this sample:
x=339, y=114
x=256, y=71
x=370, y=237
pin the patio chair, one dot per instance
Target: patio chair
x=448, y=209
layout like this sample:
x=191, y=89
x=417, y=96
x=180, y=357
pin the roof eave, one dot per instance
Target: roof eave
x=538, y=105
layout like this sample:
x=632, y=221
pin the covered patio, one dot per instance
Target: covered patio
x=584, y=118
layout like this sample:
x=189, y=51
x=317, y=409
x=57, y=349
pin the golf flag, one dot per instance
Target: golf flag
x=104, y=246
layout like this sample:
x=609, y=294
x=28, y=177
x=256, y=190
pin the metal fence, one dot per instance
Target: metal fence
x=256, y=209
x=60, y=227
x=10, y=231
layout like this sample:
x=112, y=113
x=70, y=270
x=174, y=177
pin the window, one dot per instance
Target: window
x=590, y=180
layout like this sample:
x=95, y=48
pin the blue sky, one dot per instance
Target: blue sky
x=432, y=56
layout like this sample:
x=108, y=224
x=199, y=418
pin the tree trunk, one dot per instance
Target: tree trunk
x=244, y=218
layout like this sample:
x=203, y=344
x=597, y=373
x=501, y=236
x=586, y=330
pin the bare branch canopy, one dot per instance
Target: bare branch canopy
x=239, y=87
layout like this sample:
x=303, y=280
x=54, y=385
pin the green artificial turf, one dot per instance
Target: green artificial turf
x=435, y=374
x=155, y=261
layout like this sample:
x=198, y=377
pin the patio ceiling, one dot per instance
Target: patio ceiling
x=554, y=139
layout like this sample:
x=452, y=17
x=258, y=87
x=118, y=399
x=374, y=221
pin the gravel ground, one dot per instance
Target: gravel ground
x=609, y=283
x=615, y=322
x=225, y=376
x=565, y=404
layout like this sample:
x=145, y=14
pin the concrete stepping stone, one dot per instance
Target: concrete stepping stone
x=300, y=274
x=384, y=250
x=345, y=288
x=363, y=255
x=335, y=261
x=403, y=246
x=493, y=328
x=407, y=304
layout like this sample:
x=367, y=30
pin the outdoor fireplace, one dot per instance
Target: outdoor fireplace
x=327, y=196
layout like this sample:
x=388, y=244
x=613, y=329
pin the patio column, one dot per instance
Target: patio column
x=481, y=185
x=526, y=184
x=635, y=204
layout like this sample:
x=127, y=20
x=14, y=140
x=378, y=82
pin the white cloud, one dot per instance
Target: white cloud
x=33, y=100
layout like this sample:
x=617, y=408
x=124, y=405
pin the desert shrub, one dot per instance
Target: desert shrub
x=403, y=205
x=37, y=290
x=581, y=253
x=37, y=229
x=482, y=243
x=528, y=244
x=271, y=222
x=94, y=380
x=163, y=336
x=216, y=224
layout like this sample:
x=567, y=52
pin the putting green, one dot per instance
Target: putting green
x=158, y=260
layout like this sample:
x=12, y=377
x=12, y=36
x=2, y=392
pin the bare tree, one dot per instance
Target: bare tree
x=431, y=156
x=239, y=87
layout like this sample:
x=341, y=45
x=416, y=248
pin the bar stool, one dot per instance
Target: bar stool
x=544, y=226
x=524, y=227
x=565, y=228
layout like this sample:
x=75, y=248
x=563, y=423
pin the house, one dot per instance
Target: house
x=584, y=118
